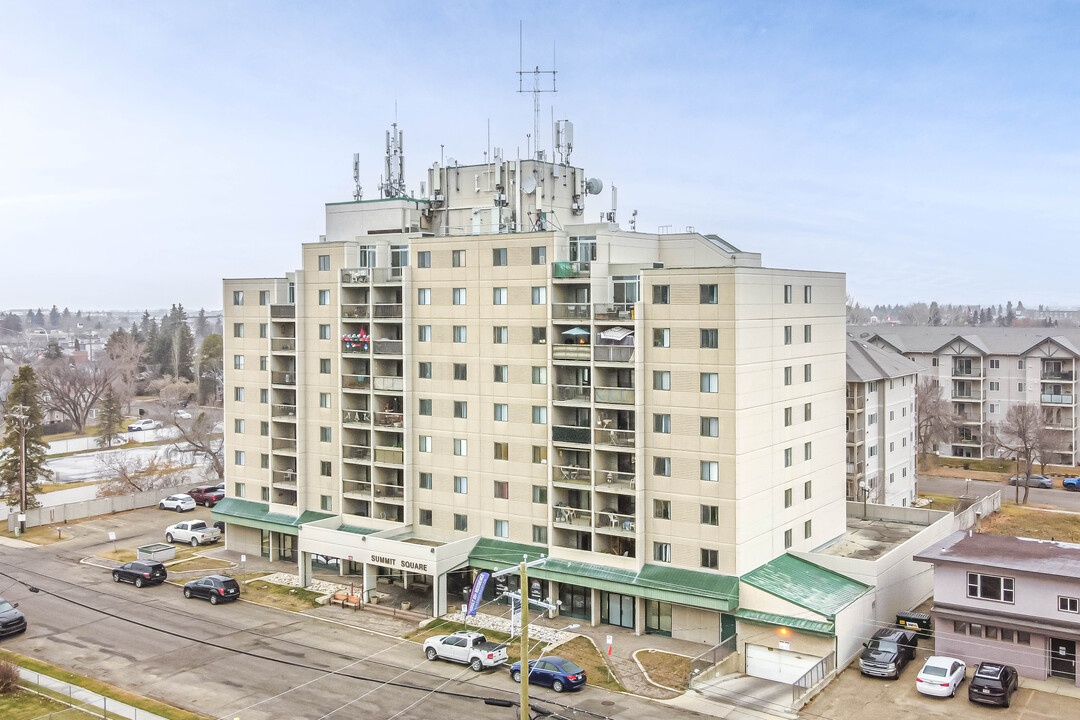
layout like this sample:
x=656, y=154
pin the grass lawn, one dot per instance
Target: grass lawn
x=41, y=535
x=199, y=563
x=1028, y=522
x=279, y=596
x=109, y=691
x=585, y=654
x=25, y=705
x=53, y=487
x=940, y=502
x=666, y=669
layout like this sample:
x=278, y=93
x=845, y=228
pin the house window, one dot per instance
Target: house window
x=324, y=366
x=787, y=334
x=710, y=471
x=539, y=415
x=806, y=372
x=807, y=450
x=539, y=255
x=324, y=297
x=502, y=451
x=995, y=385
x=933, y=362
x=459, y=296
x=423, y=259
x=661, y=337
x=423, y=333
x=806, y=293
x=539, y=335
x=710, y=338
x=806, y=333
x=787, y=539
x=662, y=466
x=661, y=379
x=461, y=371
x=264, y=395
x=264, y=297
x=539, y=533
x=238, y=362
x=461, y=334
x=710, y=559
x=425, y=515
x=423, y=370
x=539, y=454
x=787, y=294
x=787, y=417
x=502, y=528
x=661, y=509
x=238, y=394
x=990, y=587
x=457, y=258
x=662, y=423
x=239, y=457
x=502, y=490
x=787, y=375
x=423, y=443
x=324, y=434
x=423, y=296
x=324, y=262
x=461, y=522
x=461, y=485
x=995, y=364
x=264, y=461
x=324, y=400
x=324, y=332
x=710, y=382
x=238, y=330
x=1068, y=604
x=498, y=257
x=264, y=494
x=787, y=498
x=539, y=375
x=502, y=412
x=264, y=428
x=498, y=296
x=710, y=515
x=710, y=427
x=500, y=335
x=325, y=468
x=238, y=489
x=1019, y=364
x=501, y=373
x=1019, y=387
x=807, y=528
x=708, y=294
x=425, y=481
x=787, y=457
x=807, y=490
x=661, y=294
x=807, y=414
x=539, y=494
x=539, y=296
x=461, y=409
x=263, y=330
x=461, y=447
x=238, y=297
x=661, y=552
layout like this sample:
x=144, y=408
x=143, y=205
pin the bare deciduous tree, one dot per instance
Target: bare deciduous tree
x=203, y=434
x=124, y=352
x=73, y=388
x=128, y=473
x=937, y=420
x=1020, y=436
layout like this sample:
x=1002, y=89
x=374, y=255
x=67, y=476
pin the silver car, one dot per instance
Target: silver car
x=1037, y=481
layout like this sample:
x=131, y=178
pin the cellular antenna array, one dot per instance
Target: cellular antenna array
x=539, y=85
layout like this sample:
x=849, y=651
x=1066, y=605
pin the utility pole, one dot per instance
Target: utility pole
x=20, y=414
x=523, y=596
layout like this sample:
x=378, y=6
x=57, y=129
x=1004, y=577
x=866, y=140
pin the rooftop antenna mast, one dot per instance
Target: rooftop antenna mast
x=358, y=194
x=394, y=184
x=539, y=85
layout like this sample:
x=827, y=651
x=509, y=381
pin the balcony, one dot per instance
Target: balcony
x=972, y=440
x=387, y=310
x=961, y=371
x=283, y=345
x=388, y=274
x=612, y=481
x=563, y=515
x=1066, y=375
x=283, y=412
x=570, y=475
x=571, y=352
x=355, y=382
x=356, y=489
x=390, y=384
x=618, y=438
x=613, y=353
x=1049, y=399
x=393, y=493
x=354, y=312
x=286, y=445
x=282, y=378
x=283, y=480
x=390, y=419
x=613, y=312
x=570, y=311
x=855, y=403
x=614, y=395
x=355, y=276
x=613, y=523
x=390, y=455
x=563, y=270
x=572, y=393
x=388, y=347
x=968, y=394
x=856, y=436
x=855, y=469
x=355, y=453
x=356, y=417
x=355, y=343
x=283, y=312
x=570, y=434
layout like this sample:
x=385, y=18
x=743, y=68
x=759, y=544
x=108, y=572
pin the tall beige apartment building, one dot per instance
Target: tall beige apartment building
x=453, y=381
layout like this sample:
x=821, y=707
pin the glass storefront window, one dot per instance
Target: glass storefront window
x=576, y=601
x=658, y=618
x=616, y=609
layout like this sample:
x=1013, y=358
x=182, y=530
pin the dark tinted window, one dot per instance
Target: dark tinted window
x=569, y=668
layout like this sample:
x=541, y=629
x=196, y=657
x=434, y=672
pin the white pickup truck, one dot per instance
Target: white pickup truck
x=466, y=647
x=195, y=532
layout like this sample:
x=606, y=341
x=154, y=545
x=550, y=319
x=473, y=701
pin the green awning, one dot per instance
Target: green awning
x=807, y=585
x=249, y=513
x=815, y=627
x=653, y=582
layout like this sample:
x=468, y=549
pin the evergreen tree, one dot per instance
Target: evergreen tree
x=935, y=314
x=110, y=418
x=54, y=351
x=174, y=346
x=211, y=376
x=54, y=317
x=144, y=325
x=1010, y=314
x=25, y=392
x=39, y=318
x=201, y=324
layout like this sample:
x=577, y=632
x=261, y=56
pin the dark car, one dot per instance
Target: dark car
x=993, y=683
x=888, y=652
x=12, y=622
x=555, y=672
x=215, y=588
x=208, y=495
x=140, y=572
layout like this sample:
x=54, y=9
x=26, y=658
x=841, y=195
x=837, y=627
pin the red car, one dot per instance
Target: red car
x=208, y=495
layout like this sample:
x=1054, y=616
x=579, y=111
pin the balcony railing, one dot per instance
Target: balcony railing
x=283, y=479
x=618, y=438
x=856, y=436
x=973, y=440
x=855, y=403
x=393, y=456
x=356, y=489
x=391, y=419
x=287, y=345
x=354, y=312
x=570, y=475
x=571, y=352
x=614, y=395
x=282, y=378
x=356, y=345
x=565, y=270
x=392, y=384
x=1057, y=375
x=283, y=411
x=613, y=480
x=570, y=311
x=389, y=492
x=388, y=274
x=355, y=382
x=355, y=452
x=613, y=312
x=565, y=515
x=355, y=276
x=388, y=310
x=1056, y=399
x=388, y=347
x=968, y=394
x=356, y=417
x=283, y=312
x=283, y=444
x=611, y=522
x=613, y=353
x=855, y=469
x=958, y=371
x=570, y=434
x=572, y=393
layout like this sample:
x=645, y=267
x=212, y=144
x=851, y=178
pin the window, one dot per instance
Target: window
x=461, y=522
x=806, y=333
x=807, y=490
x=787, y=334
x=324, y=434
x=264, y=297
x=994, y=385
x=263, y=330
x=498, y=296
x=502, y=528
x=423, y=443
x=264, y=363
x=238, y=330
x=498, y=257
x=787, y=498
x=807, y=450
x=787, y=539
x=540, y=531
x=457, y=258
x=1019, y=364
x=324, y=400
x=461, y=485
x=425, y=481
x=423, y=296
x=425, y=406
x=324, y=332
x=661, y=379
x=1068, y=604
x=990, y=587
x=539, y=454
x=423, y=370
x=539, y=375
x=807, y=413
x=872, y=451
x=807, y=528
x=708, y=294
x=238, y=457
x=461, y=334
x=459, y=296
x=238, y=394
x=787, y=294
x=325, y=468
x=461, y=409
x=993, y=408
x=539, y=335
x=933, y=362
x=710, y=427
x=787, y=375
x=661, y=552
x=238, y=426
x=264, y=493
x=264, y=395
x=710, y=338
x=710, y=382
x=539, y=296
x=502, y=412
x=324, y=366
x=662, y=466
x=710, y=471
x=238, y=489
x=710, y=559
x=425, y=515
x=539, y=255
x=539, y=415
x=324, y=297
x=787, y=417
x=501, y=374
x=710, y=515
x=238, y=362
x=806, y=372
x=264, y=428
x=871, y=419
x=1019, y=387
x=461, y=447
x=264, y=461
x=661, y=294
x=324, y=262
x=423, y=259
x=502, y=490
x=661, y=509
x=787, y=457
x=461, y=371
x=423, y=333
x=806, y=293
x=661, y=337
x=661, y=423
x=539, y=494
x=238, y=297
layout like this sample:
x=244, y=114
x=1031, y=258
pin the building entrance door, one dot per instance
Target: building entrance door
x=617, y=609
x=1063, y=658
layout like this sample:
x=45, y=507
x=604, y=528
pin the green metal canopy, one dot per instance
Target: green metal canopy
x=249, y=513
x=807, y=585
x=771, y=619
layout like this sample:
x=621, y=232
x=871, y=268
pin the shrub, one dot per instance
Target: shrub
x=9, y=678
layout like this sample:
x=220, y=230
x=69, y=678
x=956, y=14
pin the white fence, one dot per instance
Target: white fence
x=90, y=508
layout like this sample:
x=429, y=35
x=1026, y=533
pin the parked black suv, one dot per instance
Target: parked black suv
x=12, y=622
x=993, y=683
x=888, y=651
x=141, y=572
x=215, y=588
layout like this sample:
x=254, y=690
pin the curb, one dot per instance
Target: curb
x=646, y=674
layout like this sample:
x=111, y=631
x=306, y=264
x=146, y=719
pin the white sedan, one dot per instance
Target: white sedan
x=179, y=503
x=940, y=676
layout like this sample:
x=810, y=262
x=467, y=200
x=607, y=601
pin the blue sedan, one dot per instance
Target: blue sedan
x=555, y=672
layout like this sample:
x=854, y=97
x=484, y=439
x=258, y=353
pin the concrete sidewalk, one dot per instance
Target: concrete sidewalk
x=82, y=698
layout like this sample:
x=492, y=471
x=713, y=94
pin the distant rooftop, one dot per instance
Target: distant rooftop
x=1005, y=552
x=991, y=340
x=873, y=537
x=866, y=362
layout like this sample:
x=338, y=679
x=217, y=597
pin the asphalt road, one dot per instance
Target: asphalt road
x=248, y=661
x=955, y=486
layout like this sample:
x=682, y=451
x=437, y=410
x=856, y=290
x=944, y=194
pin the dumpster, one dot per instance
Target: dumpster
x=158, y=551
x=920, y=622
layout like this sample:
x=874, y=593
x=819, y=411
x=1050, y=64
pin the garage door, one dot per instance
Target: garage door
x=784, y=666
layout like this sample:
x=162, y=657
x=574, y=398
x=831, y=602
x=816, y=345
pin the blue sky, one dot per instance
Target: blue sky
x=928, y=150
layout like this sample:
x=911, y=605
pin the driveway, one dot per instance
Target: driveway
x=957, y=486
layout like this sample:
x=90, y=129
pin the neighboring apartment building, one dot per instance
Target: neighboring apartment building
x=985, y=370
x=880, y=425
x=453, y=381
x=1008, y=600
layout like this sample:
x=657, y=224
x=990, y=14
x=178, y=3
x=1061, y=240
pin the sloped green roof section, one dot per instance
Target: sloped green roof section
x=801, y=624
x=654, y=582
x=807, y=585
x=356, y=530
x=257, y=515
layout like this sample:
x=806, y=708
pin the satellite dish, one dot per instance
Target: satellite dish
x=594, y=186
x=528, y=185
